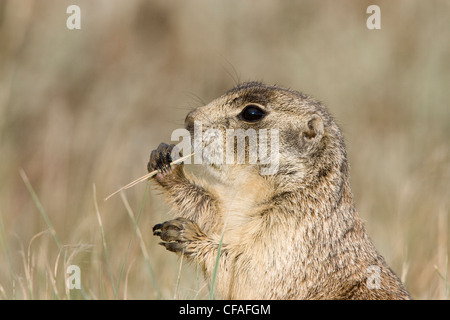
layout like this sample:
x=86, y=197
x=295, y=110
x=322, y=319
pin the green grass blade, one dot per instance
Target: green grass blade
x=104, y=243
x=216, y=268
x=142, y=245
x=144, y=200
x=41, y=209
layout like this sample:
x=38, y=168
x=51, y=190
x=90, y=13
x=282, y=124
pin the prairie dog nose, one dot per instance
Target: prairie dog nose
x=189, y=121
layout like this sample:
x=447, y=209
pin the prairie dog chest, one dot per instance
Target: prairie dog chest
x=242, y=198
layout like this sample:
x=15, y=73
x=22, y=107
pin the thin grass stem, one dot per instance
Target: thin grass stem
x=142, y=245
x=216, y=268
x=147, y=176
x=104, y=243
x=40, y=208
x=144, y=199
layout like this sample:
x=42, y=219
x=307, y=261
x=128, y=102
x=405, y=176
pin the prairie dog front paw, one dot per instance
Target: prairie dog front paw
x=178, y=235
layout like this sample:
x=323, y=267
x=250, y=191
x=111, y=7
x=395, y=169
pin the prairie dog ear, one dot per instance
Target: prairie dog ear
x=313, y=129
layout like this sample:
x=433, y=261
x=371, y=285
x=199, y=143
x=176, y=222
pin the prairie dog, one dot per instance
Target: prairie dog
x=293, y=234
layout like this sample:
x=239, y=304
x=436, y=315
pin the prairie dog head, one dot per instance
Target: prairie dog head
x=267, y=130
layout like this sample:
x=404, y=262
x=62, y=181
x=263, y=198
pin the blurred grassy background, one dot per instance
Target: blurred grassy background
x=87, y=106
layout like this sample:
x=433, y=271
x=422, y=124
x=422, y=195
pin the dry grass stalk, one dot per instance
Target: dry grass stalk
x=147, y=176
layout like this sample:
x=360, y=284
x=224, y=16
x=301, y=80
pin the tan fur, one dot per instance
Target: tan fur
x=291, y=235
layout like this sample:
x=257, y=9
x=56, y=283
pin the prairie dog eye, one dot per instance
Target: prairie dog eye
x=252, y=113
